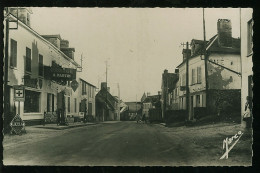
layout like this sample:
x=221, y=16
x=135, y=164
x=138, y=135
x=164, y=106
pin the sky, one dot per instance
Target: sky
x=137, y=43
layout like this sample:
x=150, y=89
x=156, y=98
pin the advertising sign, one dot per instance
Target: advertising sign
x=74, y=85
x=19, y=94
x=17, y=124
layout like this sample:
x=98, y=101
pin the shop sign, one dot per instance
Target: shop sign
x=63, y=74
x=74, y=85
x=17, y=124
x=19, y=94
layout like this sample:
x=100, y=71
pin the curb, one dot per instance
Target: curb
x=64, y=127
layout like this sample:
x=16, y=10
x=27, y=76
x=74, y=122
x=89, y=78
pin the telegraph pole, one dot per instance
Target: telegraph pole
x=187, y=81
x=6, y=94
x=205, y=62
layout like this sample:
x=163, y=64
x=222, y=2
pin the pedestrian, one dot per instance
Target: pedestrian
x=44, y=118
x=144, y=118
x=247, y=117
x=58, y=116
x=138, y=118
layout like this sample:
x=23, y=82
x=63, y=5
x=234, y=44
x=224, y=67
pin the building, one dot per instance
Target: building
x=133, y=108
x=84, y=100
x=106, y=105
x=151, y=102
x=39, y=64
x=246, y=57
x=169, y=81
x=222, y=74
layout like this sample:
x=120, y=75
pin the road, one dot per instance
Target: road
x=113, y=144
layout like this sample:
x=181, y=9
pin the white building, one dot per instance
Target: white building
x=32, y=62
x=246, y=56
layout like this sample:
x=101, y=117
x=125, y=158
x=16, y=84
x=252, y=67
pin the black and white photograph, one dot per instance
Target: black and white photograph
x=127, y=86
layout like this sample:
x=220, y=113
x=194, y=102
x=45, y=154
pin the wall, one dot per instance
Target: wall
x=220, y=78
x=247, y=64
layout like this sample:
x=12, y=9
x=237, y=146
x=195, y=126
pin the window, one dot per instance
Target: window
x=198, y=74
x=28, y=60
x=197, y=100
x=84, y=89
x=183, y=80
x=32, y=101
x=40, y=65
x=75, y=104
x=193, y=76
x=250, y=37
x=68, y=104
x=13, y=57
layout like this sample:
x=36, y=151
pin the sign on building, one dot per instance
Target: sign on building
x=19, y=94
x=17, y=124
x=74, y=85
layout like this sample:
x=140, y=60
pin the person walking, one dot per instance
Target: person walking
x=247, y=117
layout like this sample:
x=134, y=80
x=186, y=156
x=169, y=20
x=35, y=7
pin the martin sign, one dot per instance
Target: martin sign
x=58, y=73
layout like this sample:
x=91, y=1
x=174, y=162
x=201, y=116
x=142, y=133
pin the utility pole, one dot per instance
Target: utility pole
x=6, y=94
x=187, y=81
x=205, y=62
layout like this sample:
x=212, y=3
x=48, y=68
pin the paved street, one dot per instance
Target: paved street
x=128, y=143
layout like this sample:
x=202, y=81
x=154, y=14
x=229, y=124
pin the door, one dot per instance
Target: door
x=89, y=108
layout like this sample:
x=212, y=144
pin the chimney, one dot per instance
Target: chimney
x=69, y=51
x=108, y=89
x=186, y=54
x=176, y=70
x=224, y=28
x=103, y=85
x=54, y=39
x=23, y=14
x=64, y=44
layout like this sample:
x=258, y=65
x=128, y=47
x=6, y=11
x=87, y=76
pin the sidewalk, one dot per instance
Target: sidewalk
x=55, y=127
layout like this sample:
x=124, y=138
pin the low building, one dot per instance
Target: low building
x=151, y=102
x=106, y=104
x=84, y=100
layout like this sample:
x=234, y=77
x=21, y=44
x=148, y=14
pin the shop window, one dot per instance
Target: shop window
x=50, y=102
x=32, y=101
x=28, y=60
x=13, y=57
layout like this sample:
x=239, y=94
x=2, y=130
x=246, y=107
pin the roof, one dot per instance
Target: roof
x=213, y=46
x=172, y=79
x=151, y=99
x=88, y=82
x=46, y=41
x=52, y=36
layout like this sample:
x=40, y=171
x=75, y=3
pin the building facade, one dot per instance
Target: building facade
x=246, y=57
x=223, y=74
x=38, y=64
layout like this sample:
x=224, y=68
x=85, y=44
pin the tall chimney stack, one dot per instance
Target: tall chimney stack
x=103, y=85
x=224, y=27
